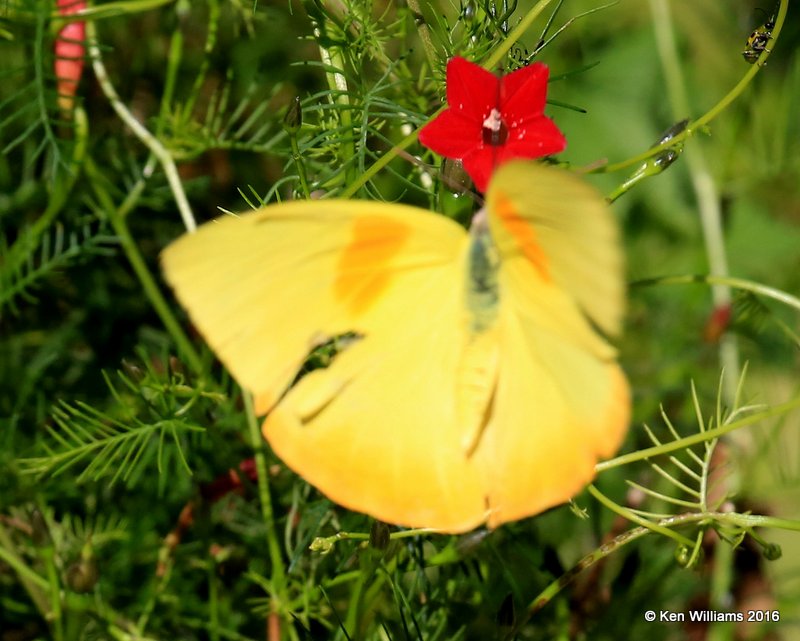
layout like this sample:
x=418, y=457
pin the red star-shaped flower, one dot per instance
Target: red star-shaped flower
x=490, y=120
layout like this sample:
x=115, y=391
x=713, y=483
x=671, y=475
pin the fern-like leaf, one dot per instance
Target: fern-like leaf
x=118, y=447
x=21, y=275
x=691, y=473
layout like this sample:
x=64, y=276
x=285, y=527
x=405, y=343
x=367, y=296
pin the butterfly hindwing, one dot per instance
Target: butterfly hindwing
x=562, y=400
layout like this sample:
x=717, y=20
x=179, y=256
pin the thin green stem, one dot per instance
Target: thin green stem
x=719, y=591
x=324, y=544
x=667, y=498
x=736, y=283
x=112, y=10
x=55, y=616
x=36, y=586
x=424, y=32
x=298, y=163
x=211, y=41
x=707, y=196
x=139, y=130
x=503, y=47
x=39, y=66
x=135, y=192
x=213, y=602
x=698, y=125
x=353, y=186
x=332, y=62
x=355, y=598
x=749, y=521
x=170, y=78
x=745, y=521
x=549, y=593
x=146, y=280
x=157, y=591
x=635, y=518
x=700, y=437
x=265, y=499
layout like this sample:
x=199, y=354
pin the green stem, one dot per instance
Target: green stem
x=719, y=590
x=127, y=205
x=146, y=280
x=332, y=62
x=550, y=592
x=503, y=48
x=635, y=518
x=749, y=521
x=35, y=585
x=374, y=168
x=698, y=125
x=39, y=66
x=55, y=616
x=156, y=592
x=736, y=283
x=298, y=163
x=265, y=499
x=113, y=9
x=424, y=33
x=211, y=41
x=746, y=521
x=694, y=439
x=139, y=130
x=708, y=200
x=170, y=78
x=324, y=544
x=213, y=602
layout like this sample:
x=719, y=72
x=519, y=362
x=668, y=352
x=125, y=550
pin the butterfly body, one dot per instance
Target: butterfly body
x=477, y=390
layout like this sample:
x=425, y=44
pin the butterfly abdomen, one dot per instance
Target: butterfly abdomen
x=477, y=373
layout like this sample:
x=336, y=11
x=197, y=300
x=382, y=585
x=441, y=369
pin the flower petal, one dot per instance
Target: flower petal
x=471, y=90
x=523, y=93
x=533, y=138
x=451, y=134
x=480, y=164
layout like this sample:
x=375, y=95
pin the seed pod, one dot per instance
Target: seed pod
x=772, y=552
x=293, y=119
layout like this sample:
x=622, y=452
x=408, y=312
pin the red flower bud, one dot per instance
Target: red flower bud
x=69, y=53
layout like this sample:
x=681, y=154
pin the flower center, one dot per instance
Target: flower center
x=494, y=130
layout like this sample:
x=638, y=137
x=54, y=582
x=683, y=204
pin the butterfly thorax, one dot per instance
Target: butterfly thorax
x=482, y=292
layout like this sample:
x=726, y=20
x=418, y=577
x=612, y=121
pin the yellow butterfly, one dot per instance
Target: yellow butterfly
x=478, y=388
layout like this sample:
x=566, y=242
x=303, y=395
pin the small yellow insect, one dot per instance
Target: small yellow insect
x=757, y=42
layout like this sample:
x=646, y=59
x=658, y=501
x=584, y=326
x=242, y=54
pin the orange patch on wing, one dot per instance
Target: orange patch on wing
x=363, y=269
x=523, y=233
